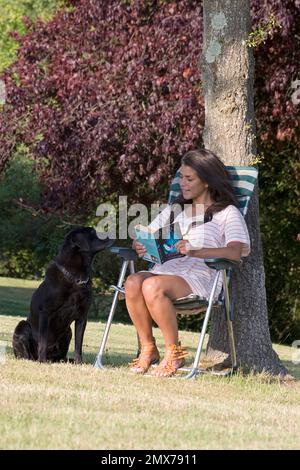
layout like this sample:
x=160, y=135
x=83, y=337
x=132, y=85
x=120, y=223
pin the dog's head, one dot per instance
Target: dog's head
x=85, y=239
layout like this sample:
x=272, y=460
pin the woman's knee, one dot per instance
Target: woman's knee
x=152, y=288
x=133, y=285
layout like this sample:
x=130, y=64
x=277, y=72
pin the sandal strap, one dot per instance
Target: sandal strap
x=175, y=352
x=143, y=361
x=168, y=366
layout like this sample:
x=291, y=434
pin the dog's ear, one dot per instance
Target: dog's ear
x=80, y=241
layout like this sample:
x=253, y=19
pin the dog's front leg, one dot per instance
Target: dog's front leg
x=79, y=332
x=43, y=337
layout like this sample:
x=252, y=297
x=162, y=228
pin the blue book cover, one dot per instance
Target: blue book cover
x=160, y=244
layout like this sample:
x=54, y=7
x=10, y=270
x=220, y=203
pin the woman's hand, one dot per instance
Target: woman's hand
x=183, y=247
x=139, y=248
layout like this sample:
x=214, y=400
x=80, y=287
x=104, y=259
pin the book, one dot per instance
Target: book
x=160, y=243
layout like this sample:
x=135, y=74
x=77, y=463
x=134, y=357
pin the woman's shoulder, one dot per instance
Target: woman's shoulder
x=230, y=214
x=228, y=210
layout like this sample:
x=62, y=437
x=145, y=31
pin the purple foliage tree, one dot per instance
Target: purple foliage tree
x=108, y=96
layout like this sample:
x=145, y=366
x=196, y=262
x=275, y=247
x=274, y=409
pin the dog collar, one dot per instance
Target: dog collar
x=70, y=276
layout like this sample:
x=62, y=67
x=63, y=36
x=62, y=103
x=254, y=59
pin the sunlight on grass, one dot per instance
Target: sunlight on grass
x=21, y=283
x=62, y=406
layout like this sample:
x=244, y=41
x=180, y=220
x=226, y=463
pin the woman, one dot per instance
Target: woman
x=204, y=182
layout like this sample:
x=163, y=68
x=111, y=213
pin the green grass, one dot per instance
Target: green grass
x=15, y=295
x=62, y=406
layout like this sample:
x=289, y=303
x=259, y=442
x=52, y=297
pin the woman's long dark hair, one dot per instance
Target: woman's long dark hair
x=211, y=170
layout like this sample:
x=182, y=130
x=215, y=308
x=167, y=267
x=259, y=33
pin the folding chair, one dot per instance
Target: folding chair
x=243, y=180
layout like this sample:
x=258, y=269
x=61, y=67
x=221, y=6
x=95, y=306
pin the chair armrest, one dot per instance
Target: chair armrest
x=222, y=263
x=128, y=254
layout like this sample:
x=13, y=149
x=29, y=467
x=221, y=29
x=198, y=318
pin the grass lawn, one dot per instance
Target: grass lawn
x=15, y=295
x=62, y=406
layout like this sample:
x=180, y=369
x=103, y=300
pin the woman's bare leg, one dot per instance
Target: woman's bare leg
x=158, y=292
x=137, y=307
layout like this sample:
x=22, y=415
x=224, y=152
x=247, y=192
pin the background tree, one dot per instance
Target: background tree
x=228, y=78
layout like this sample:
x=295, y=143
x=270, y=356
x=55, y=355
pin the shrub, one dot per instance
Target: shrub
x=107, y=97
x=12, y=12
x=25, y=244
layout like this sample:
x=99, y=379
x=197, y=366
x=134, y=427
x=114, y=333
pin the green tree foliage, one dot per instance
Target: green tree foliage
x=25, y=244
x=280, y=223
x=11, y=19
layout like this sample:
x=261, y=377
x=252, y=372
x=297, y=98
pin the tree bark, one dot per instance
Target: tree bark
x=228, y=76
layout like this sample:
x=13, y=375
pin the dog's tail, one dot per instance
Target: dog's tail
x=24, y=345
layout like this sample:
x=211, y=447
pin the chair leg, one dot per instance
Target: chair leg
x=229, y=322
x=98, y=362
x=195, y=371
x=132, y=271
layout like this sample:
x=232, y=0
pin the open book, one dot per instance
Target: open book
x=160, y=244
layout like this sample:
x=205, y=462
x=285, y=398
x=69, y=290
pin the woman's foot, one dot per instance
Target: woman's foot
x=173, y=360
x=148, y=356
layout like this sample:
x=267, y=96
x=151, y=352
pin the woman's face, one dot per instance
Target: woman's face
x=191, y=185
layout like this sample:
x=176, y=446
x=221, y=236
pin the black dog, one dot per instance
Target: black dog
x=64, y=296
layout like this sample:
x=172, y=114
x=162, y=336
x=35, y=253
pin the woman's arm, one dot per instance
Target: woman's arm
x=232, y=251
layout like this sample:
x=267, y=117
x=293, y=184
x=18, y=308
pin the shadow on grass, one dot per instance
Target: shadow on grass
x=115, y=360
x=15, y=301
x=109, y=360
x=8, y=349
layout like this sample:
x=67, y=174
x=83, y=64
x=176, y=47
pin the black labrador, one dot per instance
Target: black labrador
x=63, y=297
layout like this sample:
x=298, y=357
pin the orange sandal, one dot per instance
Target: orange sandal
x=149, y=355
x=173, y=360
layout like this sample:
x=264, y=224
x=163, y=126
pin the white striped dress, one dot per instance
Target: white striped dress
x=226, y=226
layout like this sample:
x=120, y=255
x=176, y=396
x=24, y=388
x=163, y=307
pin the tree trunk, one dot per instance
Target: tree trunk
x=228, y=75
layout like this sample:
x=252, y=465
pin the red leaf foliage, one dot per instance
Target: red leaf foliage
x=108, y=96
x=277, y=68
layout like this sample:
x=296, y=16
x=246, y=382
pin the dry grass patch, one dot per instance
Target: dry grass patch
x=62, y=406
